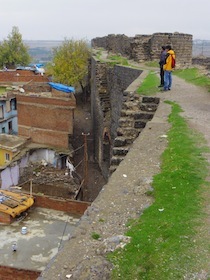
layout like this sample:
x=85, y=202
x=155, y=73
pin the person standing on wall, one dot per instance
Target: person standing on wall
x=161, y=63
x=168, y=67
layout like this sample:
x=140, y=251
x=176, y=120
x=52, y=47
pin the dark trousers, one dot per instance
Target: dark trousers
x=161, y=76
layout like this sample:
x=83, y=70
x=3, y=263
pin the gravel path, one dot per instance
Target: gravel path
x=123, y=197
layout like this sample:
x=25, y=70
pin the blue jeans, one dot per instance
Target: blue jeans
x=167, y=79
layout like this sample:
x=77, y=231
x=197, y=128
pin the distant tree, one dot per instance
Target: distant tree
x=13, y=51
x=70, y=63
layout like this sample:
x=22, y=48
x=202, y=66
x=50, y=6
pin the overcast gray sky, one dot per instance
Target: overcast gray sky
x=87, y=19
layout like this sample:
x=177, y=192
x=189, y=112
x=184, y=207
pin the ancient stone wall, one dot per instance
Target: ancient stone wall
x=100, y=104
x=148, y=47
x=119, y=80
x=204, y=61
x=107, y=97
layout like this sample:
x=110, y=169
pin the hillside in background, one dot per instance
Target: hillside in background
x=201, y=48
x=41, y=50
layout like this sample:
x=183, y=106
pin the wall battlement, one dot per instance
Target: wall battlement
x=147, y=47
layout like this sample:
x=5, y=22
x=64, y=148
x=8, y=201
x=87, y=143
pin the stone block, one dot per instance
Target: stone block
x=120, y=151
x=140, y=124
x=119, y=141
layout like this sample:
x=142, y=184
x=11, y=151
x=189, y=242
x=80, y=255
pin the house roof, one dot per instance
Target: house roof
x=11, y=142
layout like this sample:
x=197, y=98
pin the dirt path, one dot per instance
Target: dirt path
x=195, y=102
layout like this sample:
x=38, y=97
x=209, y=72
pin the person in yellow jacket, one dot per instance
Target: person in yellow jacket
x=167, y=67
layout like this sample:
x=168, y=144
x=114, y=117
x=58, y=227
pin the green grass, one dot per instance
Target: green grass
x=95, y=235
x=116, y=59
x=152, y=64
x=149, y=84
x=2, y=89
x=98, y=54
x=162, y=240
x=194, y=76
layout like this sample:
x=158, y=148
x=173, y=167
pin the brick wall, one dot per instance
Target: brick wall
x=37, y=87
x=65, y=205
x=21, y=76
x=46, y=120
x=12, y=273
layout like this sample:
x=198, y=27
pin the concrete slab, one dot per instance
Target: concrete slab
x=47, y=231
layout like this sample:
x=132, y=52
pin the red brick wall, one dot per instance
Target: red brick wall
x=11, y=273
x=46, y=120
x=51, y=138
x=65, y=205
x=23, y=76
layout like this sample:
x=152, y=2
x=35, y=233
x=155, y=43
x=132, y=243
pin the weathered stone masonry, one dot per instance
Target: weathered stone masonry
x=147, y=47
x=118, y=111
x=119, y=114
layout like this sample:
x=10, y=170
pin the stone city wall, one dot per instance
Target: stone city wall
x=148, y=47
x=112, y=117
x=107, y=86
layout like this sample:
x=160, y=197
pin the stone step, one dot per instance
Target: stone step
x=131, y=105
x=128, y=113
x=120, y=141
x=116, y=160
x=149, y=99
x=148, y=107
x=120, y=151
x=137, y=114
x=140, y=123
x=126, y=122
x=128, y=132
x=143, y=115
x=112, y=169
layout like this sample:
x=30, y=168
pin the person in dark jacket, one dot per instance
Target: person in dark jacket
x=161, y=63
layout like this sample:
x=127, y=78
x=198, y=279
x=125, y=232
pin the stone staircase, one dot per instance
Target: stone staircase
x=136, y=112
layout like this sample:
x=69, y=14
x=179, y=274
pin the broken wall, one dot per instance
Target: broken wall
x=148, y=47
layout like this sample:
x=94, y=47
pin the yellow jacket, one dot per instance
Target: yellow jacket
x=167, y=65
